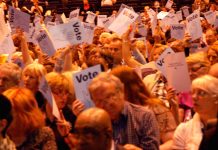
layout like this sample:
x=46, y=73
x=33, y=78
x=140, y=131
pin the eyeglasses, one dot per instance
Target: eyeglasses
x=107, y=101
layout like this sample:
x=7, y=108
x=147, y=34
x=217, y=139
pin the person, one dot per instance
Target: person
x=5, y=121
x=31, y=76
x=189, y=135
x=132, y=124
x=60, y=87
x=214, y=70
x=212, y=54
x=9, y=76
x=210, y=36
x=28, y=130
x=198, y=65
x=93, y=131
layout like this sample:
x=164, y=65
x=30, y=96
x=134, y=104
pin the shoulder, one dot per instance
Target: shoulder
x=46, y=132
x=139, y=113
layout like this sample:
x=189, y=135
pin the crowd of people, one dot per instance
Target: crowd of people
x=133, y=111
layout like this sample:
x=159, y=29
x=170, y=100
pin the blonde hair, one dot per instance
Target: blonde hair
x=199, y=57
x=35, y=69
x=58, y=82
x=27, y=117
x=156, y=47
x=207, y=83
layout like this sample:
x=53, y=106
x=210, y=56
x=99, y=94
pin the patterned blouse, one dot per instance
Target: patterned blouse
x=42, y=139
x=7, y=144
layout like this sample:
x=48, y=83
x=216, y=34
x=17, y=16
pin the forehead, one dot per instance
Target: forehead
x=115, y=43
x=105, y=89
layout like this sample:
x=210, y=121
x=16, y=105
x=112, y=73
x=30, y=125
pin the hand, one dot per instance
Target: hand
x=77, y=107
x=171, y=95
x=63, y=126
x=131, y=147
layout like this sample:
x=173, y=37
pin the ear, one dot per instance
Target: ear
x=3, y=124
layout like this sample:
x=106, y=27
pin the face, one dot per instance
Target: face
x=30, y=81
x=196, y=70
x=89, y=135
x=204, y=102
x=95, y=56
x=115, y=50
x=157, y=53
x=212, y=56
x=5, y=82
x=210, y=37
x=109, y=99
x=60, y=97
x=156, y=4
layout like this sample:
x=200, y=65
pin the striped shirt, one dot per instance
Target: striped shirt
x=137, y=125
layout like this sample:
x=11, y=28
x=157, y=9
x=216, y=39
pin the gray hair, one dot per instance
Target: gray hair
x=13, y=71
x=105, y=78
x=207, y=83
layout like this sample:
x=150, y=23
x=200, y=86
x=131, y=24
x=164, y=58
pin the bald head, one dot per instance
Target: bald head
x=93, y=130
x=214, y=70
x=94, y=117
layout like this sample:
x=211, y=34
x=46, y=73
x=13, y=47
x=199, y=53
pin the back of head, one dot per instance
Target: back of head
x=5, y=112
x=93, y=130
x=95, y=118
x=27, y=116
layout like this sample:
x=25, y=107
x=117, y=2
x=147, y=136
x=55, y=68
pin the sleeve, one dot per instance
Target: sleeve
x=179, y=137
x=151, y=138
x=49, y=140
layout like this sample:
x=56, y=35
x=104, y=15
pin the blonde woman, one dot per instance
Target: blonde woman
x=31, y=77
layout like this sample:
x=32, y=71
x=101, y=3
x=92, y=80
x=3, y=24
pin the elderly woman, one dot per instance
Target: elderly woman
x=28, y=129
x=60, y=88
x=205, y=96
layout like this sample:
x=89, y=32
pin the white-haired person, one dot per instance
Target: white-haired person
x=9, y=76
x=191, y=134
x=31, y=76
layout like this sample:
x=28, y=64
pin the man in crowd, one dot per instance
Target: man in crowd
x=9, y=76
x=93, y=131
x=132, y=124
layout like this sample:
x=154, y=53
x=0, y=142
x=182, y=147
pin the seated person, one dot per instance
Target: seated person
x=132, y=124
x=5, y=121
x=93, y=130
x=9, y=76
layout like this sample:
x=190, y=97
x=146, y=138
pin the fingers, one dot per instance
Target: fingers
x=77, y=107
x=131, y=147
